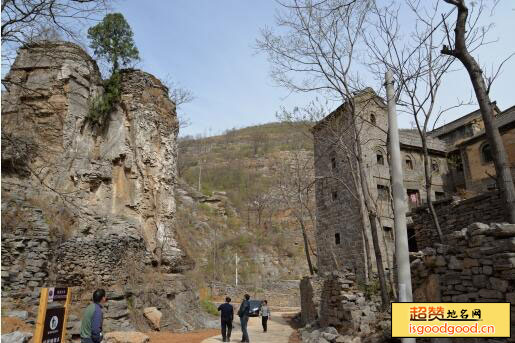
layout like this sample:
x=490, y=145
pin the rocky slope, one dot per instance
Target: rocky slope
x=240, y=209
x=213, y=234
x=90, y=207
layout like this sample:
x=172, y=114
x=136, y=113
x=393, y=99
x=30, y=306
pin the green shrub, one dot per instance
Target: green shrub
x=102, y=105
x=209, y=307
x=370, y=289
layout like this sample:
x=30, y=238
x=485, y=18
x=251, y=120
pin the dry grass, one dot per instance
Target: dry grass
x=11, y=324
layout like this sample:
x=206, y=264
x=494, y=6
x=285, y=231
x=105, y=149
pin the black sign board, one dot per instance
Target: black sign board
x=53, y=327
x=57, y=294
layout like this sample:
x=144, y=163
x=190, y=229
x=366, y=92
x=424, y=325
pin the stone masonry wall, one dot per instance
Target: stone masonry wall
x=25, y=252
x=310, y=295
x=32, y=257
x=456, y=215
x=476, y=265
x=339, y=234
x=334, y=300
x=106, y=259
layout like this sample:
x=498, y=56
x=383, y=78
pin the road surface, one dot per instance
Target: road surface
x=279, y=331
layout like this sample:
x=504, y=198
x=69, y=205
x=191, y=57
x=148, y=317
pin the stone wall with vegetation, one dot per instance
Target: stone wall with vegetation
x=455, y=215
x=477, y=264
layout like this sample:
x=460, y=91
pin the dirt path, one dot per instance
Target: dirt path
x=279, y=331
x=189, y=337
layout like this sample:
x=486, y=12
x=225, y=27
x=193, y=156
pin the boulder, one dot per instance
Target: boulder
x=153, y=316
x=17, y=337
x=126, y=337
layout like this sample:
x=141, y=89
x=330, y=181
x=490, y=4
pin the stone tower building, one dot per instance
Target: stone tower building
x=343, y=230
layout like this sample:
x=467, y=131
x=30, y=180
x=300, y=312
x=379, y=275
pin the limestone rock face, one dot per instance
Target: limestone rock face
x=81, y=205
x=111, y=185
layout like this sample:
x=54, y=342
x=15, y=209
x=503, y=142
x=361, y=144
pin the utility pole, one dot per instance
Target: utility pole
x=399, y=205
x=236, y=269
x=199, y=173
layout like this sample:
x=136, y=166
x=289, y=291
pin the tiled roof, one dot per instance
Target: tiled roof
x=501, y=120
x=456, y=124
x=411, y=137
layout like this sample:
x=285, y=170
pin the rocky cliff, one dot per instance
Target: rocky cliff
x=83, y=206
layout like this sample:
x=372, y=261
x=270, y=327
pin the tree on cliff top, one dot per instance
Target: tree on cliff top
x=111, y=39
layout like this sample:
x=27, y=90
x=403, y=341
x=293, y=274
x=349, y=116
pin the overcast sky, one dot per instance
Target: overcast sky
x=208, y=47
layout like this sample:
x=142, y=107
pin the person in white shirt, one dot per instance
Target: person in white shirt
x=265, y=314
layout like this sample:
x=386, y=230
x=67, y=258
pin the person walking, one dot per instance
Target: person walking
x=265, y=314
x=243, y=313
x=226, y=318
x=91, y=323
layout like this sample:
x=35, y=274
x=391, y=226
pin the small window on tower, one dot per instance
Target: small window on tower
x=435, y=166
x=409, y=163
x=486, y=153
x=380, y=158
x=373, y=119
x=383, y=192
x=388, y=232
x=337, y=238
x=333, y=163
x=335, y=195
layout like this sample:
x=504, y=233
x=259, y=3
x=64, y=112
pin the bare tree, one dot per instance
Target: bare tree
x=27, y=21
x=460, y=46
x=259, y=140
x=295, y=185
x=315, y=52
x=419, y=69
x=180, y=96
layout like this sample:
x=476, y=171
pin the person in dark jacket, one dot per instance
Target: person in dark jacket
x=243, y=313
x=91, y=324
x=226, y=317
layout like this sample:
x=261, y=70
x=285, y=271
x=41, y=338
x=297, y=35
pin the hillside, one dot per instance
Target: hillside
x=240, y=206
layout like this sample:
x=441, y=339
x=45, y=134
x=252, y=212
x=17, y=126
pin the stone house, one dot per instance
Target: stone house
x=343, y=233
x=474, y=152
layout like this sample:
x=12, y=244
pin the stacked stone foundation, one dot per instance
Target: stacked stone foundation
x=477, y=264
x=334, y=300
